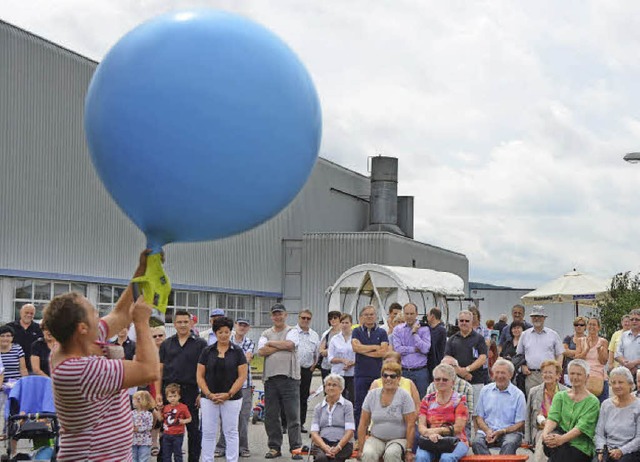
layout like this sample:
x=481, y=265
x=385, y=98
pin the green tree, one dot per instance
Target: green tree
x=624, y=295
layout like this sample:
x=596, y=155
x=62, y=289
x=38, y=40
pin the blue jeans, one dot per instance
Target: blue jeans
x=508, y=443
x=605, y=392
x=361, y=389
x=141, y=453
x=420, y=377
x=172, y=445
x=459, y=452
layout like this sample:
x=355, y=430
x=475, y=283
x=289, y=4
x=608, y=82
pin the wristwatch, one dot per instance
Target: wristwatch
x=408, y=450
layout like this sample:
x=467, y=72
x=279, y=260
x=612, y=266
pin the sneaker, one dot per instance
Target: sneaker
x=272, y=454
x=245, y=453
x=218, y=453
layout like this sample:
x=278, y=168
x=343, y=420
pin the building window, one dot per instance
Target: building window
x=264, y=305
x=238, y=306
x=108, y=296
x=39, y=293
x=196, y=303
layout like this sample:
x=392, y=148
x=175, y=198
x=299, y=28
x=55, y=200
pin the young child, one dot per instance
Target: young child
x=175, y=416
x=143, y=403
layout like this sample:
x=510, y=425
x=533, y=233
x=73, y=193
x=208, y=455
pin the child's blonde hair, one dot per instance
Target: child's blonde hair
x=146, y=401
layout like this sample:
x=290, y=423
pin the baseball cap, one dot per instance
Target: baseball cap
x=243, y=321
x=278, y=307
x=216, y=312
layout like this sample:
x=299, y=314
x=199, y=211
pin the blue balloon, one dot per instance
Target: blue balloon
x=202, y=124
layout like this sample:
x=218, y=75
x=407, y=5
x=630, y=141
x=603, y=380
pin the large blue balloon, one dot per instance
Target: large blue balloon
x=202, y=124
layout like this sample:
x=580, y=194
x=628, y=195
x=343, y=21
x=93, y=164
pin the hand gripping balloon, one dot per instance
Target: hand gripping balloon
x=201, y=124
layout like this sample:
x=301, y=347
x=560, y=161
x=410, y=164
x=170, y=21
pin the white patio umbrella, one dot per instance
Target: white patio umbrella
x=574, y=286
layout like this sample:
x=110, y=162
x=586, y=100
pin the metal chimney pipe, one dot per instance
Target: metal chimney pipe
x=383, y=206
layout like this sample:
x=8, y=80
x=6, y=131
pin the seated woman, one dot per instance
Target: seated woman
x=539, y=404
x=405, y=383
x=333, y=423
x=392, y=415
x=443, y=413
x=571, y=424
x=618, y=429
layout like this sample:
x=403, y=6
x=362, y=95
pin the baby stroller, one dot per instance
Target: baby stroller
x=258, y=410
x=30, y=414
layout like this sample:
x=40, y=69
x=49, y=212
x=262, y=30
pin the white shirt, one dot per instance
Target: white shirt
x=308, y=346
x=537, y=347
x=339, y=347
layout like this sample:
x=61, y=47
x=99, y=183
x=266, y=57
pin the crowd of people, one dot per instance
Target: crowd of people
x=398, y=390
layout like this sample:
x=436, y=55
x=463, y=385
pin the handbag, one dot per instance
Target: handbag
x=443, y=445
x=595, y=385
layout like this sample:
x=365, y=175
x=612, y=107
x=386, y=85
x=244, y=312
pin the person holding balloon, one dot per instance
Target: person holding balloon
x=90, y=390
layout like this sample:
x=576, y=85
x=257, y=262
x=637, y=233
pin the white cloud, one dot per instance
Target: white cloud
x=509, y=119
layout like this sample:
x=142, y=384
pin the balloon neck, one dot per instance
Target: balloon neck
x=154, y=246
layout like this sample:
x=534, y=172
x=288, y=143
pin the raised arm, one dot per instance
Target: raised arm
x=144, y=368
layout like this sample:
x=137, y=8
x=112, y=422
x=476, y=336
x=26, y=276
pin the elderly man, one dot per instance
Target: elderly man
x=308, y=352
x=26, y=331
x=208, y=334
x=500, y=413
x=517, y=313
x=240, y=337
x=370, y=343
x=470, y=349
x=538, y=344
x=278, y=346
x=502, y=322
x=628, y=353
x=413, y=342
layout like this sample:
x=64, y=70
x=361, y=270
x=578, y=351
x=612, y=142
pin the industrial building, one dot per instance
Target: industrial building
x=60, y=230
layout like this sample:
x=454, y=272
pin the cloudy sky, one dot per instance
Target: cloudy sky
x=510, y=119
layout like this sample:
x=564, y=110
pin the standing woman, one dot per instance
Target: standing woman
x=333, y=318
x=571, y=424
x=509, y=352
x=222, y=370
x=342, y=357
x=570, y=342
x=618, y=430
x=595, y=351
x=41, y=350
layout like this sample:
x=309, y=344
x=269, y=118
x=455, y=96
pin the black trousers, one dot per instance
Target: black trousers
x=188, y=395
x=567, y=453
x=305, y=385
x=342, y=456
x=348, y=392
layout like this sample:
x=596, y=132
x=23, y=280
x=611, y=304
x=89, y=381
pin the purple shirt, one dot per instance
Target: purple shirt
x=405, y=343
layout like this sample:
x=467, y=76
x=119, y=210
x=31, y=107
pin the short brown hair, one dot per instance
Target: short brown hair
x=172, y=388
x=346, y=316
x=63, y=314
x=391, y=367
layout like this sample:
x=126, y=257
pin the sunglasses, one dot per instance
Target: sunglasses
x=464, y=320
x=390, y=376
x=634, y=319
x=441, y=379
x=305, y=318
x=158, y=336
x=579, y=325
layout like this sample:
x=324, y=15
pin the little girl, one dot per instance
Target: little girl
x=142, y=424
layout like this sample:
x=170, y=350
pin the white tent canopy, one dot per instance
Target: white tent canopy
x=380, y=285
x=574, y=286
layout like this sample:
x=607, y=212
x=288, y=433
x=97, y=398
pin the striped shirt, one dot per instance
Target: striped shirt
x=93, y=409
x=247, y=346
x=11, y=362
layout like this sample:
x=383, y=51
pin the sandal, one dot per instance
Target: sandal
x=272, y=454
x=155, y=450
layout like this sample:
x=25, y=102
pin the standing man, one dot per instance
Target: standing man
x=209, y=335
x=628, y=353
x=394, y=310
x=308, y=351
x=438, y=339
x=500, y=413
x=128, y=345
x=26, y=331
x=179, y=356
x=517, y=313
x=281, y=375
x=239, y=337
x=370, y=343
x=413, y=342
x=625, y=323
x=470, y=349
x=501, y=324
x=538, y=344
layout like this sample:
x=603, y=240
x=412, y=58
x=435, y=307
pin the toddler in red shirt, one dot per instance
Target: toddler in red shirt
x=175, y=416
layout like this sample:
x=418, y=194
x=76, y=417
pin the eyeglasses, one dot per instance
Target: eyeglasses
x=390, y=376
x=579, y=325
x=464, y=320
x=441, y=379
x=158, y=336
x=634, y=319
x=305, y=318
